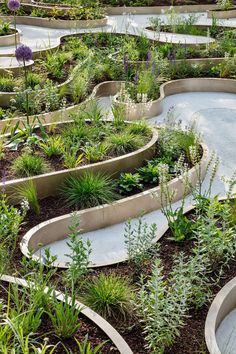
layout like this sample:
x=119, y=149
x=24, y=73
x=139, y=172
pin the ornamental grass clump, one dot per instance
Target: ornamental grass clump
x=88, y=190
x=110, y=295
x=123, y=143
x=27, y=165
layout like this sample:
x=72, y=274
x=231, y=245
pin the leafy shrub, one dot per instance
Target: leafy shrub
x=110, y=296
x=34, y=80
x=28, y=165
x=53, y=146
x=149, y=173
x=95, y=152
x=130, y=182
x=138, y=241
x=88, y=190
x=71, y=158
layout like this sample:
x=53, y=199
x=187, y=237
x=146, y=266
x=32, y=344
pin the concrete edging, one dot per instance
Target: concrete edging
x=222, y=305
x=48, y=184
x=57, y=24
x=222, y=14
x=135, y=112
x=109, y=214
x=10, y=38
x=93, y=316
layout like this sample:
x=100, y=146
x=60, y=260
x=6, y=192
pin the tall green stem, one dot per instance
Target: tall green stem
x=15, y=29
x=26, y=93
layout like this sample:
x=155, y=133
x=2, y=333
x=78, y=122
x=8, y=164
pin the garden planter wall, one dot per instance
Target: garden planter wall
x=10, y=39
x=105, y=88
x=57, y=24
x=135, y=112
x=221, y=14
x=108, y=88
x=11, y=64
x=223, y=304
x=146, y=10
x=108, y=214
x=115, y=337
x=48, y=184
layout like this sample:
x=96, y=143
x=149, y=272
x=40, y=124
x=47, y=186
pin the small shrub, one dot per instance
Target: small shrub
x=95, y=152
x=28, y=165
x=149, y=173
x=88, y=190
x=71, y=158
x=129, y=182
x=53, y=146
x=33, y=80
x=7, y=84
x=110, y=296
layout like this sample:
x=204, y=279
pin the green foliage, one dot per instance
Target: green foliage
x=34, y=80
x=71, y=158
x=138, y=241
x=149, y=173
x=130, y=182
x=53, y=146
x=7, y=84
x=28, y=165
x=86, y=348
x=123, y=143
x=95, y=152
x=79, y=255
x=64, y=317
x=110, y=296
x=88, y=190
x=28, y=192
x=55, y=62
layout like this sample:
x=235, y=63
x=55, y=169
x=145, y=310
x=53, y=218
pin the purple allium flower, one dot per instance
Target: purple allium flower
x=23, y=53
x=13, y=5
x=126, y=64
x=148, y=59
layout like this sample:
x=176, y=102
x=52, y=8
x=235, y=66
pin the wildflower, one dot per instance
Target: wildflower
x=23, y=53
x=13, y=5
x=126, y=64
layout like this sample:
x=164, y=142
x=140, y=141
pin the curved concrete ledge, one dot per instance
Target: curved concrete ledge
x=10, y=39
x=93, y=316
x=222, y=305
x=48, y=184
x=152, y=10
x=11, y=64
x=111, y=88
x=105, y=88
x=194, y=61
x=139, y=110
x=222, y=14
x=108, y=214
x=53, y=23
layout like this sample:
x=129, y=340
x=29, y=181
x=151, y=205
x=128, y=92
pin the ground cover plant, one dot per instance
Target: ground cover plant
x=86, y=139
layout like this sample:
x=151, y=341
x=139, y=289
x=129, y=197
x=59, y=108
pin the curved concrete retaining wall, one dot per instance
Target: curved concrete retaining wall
x=93, y=316
x=108, y=214
x=151, y=10
x=108, y=88
x=10, y=64
x=53, y=23
x=49, y=183
x=105, y=88
x=223, y=304
x=138, y=111
x=221, y=14
x=10, y=39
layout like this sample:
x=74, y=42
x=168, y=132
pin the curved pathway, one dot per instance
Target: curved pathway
x=39, y=38
x=215, y=117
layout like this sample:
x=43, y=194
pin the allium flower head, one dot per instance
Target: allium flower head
x=23, y=53
x=13, y=5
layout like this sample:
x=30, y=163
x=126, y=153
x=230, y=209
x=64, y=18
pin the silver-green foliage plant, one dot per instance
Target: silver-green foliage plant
x=79, y=256
x=163, y=303
x=138, y=240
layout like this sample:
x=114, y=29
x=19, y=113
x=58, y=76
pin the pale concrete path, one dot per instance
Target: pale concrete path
x=215, y=115
x=226, y=334
x=39, y=38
